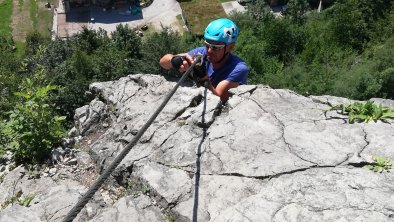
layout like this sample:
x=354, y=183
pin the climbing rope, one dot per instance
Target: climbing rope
x=97, y=184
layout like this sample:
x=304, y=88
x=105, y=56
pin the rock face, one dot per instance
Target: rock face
x=269, y=155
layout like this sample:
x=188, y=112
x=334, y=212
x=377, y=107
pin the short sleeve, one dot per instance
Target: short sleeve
x=239, y=74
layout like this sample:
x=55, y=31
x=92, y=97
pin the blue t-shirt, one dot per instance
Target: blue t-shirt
x=235, y=69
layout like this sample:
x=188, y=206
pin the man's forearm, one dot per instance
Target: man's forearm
x=165, y=61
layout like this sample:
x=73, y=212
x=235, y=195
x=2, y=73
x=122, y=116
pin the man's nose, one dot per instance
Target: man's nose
x=210, y=50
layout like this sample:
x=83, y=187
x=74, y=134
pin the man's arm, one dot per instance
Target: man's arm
x=222, y=88
x=165, y=62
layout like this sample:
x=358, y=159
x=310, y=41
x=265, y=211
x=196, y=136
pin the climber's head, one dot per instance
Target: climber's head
x=221, y=30
x=220, y=37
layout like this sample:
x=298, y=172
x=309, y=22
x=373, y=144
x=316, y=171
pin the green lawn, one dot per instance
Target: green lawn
x=5, y=15
x=200, y=12
x=45, y=18
x=29, y=15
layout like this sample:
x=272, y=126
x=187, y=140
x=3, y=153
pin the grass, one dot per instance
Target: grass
x=33, y=13
x=21, y=20
x=5, y=15
x=45, y=18
x=20, y=49
x=18, y=17
x=200, y=12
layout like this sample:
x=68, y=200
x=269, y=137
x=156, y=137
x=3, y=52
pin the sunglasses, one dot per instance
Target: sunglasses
x=213, y=46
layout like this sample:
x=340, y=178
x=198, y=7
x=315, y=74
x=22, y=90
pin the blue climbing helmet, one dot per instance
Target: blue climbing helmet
x=222, y=30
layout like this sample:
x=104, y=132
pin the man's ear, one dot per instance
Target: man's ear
x=230, y=47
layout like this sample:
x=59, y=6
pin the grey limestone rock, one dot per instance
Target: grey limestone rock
x=267, y=155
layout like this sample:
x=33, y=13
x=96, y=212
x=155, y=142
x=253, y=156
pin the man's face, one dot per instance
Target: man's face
x=215, y=50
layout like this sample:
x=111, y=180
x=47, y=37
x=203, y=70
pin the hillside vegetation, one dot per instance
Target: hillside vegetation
x=346, y=50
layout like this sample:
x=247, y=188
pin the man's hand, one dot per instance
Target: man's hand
x=167, y=62
x=177, y=61
x=188, y=60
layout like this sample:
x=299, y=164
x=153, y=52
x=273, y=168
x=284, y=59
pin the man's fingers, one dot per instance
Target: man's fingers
x=184, y=66
x=189, y=59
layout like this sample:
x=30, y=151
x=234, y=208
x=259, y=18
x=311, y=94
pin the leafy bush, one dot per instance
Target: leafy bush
x=33, y=42
x=364, y=112
x=380, y=164
x=32, y=128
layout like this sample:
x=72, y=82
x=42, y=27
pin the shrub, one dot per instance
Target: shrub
x=364, y=112
x=32, y=128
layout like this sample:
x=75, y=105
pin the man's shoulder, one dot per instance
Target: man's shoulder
x=201, y=50
x=238, y=62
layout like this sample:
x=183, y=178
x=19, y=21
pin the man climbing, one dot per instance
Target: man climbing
x=223, y=69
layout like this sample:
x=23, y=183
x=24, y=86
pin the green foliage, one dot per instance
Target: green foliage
x=6, y=44
x=72, y=84
x=9, y=80
x=90, y=40
x=5, y=21
x=145, y=189
x=56, y=53
x=296, y=10
x=347, y=24
x=33, y=42
x=8, y=85
x=283, y=40
x=82, y=65
x=26, y=202
x=33, y=13
x=364, y=112
x=109, y=64
x=370, y=75
x=126, y=39
x=381, y=164
x=387, y=77
x=17, y=199
x=32, y=128
x=158, y=44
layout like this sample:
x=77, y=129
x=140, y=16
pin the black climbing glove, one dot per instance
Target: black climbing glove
x=177, y=61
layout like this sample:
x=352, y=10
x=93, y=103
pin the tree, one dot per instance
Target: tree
x=296, y=10
x=160, y=43
x=56, y=53
x=126, y=39
x=34, y=40
x=90, y=40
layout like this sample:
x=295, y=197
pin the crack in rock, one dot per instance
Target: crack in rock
x=279, y=209
x=282, y=125
x=193, y=103
x=356, y=160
